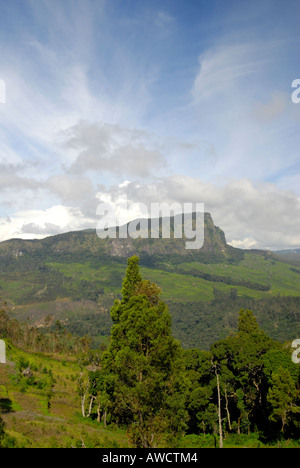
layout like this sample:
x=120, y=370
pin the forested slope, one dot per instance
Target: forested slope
x=75, y=277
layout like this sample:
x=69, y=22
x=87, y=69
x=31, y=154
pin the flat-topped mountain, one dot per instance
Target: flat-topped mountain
x=87, y=242
x=75, y=277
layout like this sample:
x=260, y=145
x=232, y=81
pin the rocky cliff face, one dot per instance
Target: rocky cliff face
x=88, y=242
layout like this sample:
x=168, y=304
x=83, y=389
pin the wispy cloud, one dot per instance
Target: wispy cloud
x=223, y=70
x=182, y=106
x=246, y=109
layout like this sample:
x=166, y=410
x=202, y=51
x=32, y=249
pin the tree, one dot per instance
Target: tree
x=282, y=397
x=219, y=409
x=132, y=278
x=242, y=379
x=200, y=390
x=143, y=366
x=247, y=322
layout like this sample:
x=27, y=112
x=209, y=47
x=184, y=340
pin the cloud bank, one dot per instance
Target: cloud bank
x=162, y=103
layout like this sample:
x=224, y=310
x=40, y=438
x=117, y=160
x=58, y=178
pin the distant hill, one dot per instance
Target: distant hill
x=288, y=251
x=75, y=277
x=289, y=255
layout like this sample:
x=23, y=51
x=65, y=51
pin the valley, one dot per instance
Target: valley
x=75, y=277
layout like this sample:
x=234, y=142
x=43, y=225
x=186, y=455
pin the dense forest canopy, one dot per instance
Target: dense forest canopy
x=146, y=382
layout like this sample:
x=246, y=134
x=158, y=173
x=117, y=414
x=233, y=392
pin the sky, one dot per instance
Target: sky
x=156, y=101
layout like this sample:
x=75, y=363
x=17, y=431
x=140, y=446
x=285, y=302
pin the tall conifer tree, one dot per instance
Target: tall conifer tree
x=144, y=369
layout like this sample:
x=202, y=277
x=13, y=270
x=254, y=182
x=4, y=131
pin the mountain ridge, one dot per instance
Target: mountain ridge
x=87, y=239
x=74, y=277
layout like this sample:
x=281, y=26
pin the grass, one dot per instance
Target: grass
x=178, y=286
x=253, y=268
x=109, y=275
x=30, y=423
x=14, y=288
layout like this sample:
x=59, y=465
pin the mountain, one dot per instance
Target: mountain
x=75, y=277
x=290, y=255
x=87, y=242
x=288, y=251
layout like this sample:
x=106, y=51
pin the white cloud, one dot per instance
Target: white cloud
x=113, y=149
x=251, y=215
x=41, y=223
x=80, y=95
x=70, y=189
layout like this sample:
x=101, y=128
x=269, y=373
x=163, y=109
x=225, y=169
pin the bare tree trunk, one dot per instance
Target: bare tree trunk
x=83, y=397
x=239, y=424
x=91, y=406
x=219, y=412
x=98, y=414
x=227, y=409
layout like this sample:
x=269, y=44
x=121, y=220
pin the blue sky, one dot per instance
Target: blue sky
x=157, y=100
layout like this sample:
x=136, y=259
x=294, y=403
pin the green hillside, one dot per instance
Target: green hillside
x=75, y=277
x=54, y=389
x=43, y=411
